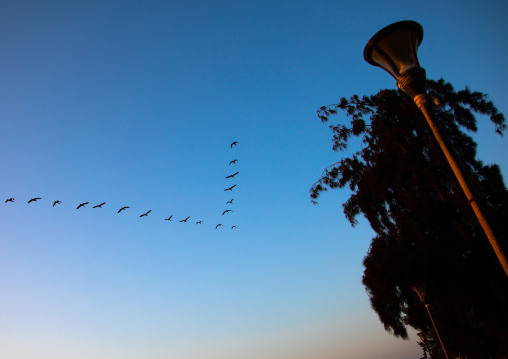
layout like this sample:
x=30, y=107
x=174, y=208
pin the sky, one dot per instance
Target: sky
x=136, y=103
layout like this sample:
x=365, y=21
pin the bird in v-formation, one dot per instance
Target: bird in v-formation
x=233, y=162
x=233, y=175
x=226, y=211
x=185, y=220
x=33, y=200
x=230, y=188
x=235, y=143
x=9, y=200
x=123, y=209
x=100, y=205
x=145, y=214
x=82, y=205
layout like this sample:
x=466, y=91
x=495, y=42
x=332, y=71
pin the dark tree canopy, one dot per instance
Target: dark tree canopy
x=425, y=228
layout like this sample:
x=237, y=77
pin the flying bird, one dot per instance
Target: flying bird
x=233, y=175
x=9, y=200
x=82, y=205
x=123, y=208
x=226, y=211
x=217, y=226
x=230, y=188
x=230, y=201
x=33, y=200
x=185, y=220
x=234, y=144
x=100, y=205
x=234, y=161
x=199, y=222
x=169, y=218
x=145, y=214
x=56, y=202
x=233, y=227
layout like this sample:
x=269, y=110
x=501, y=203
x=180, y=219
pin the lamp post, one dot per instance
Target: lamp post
x=424, y=340
x=394, y=49
x=421, y=290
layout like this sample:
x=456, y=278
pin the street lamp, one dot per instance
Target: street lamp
x=424, y=340
x=394, y=49
x=421, y=290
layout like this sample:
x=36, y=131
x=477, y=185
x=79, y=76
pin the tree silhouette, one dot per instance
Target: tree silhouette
x=425, y=230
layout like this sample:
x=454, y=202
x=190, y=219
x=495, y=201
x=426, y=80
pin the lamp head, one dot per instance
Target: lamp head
x=394, y=48
x=421, y=290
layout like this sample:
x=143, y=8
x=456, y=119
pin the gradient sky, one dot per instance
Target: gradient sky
x=135, y=103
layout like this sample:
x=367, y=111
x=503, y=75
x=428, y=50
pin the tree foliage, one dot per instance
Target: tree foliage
x=425, y=230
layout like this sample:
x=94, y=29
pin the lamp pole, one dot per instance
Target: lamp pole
x=424, y=340
x=421, y=290
x=394, y=49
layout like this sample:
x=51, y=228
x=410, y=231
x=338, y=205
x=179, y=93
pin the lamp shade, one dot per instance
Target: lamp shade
x=421, y=290
x=394, y=48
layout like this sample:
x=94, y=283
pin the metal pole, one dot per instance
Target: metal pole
x=424, y=340
x=437, y=333
x=425, y=103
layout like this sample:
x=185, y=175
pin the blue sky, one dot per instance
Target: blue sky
x=136, y=104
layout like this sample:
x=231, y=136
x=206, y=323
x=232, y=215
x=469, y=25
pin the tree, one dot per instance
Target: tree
x=425, y=230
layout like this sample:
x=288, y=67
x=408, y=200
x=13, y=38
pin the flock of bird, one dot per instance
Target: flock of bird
x=81, y=205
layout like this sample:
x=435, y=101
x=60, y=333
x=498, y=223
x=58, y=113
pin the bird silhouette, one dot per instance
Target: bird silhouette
x=100, y=205
x=33, y=200
x=230, y=188
x=123, y=208
x=226, y=211
x=233, y=227
x=233, y=175
x=9, y=200
x=185, y=220
x=234, y=161
x=82, y=205
x=169, y=218
x=235, y=143
x=145, y=214
x=230, y=201
x=199, y=222
x=217, y=226
x=56, y=202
